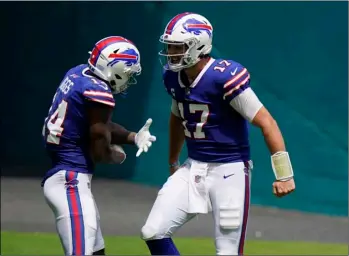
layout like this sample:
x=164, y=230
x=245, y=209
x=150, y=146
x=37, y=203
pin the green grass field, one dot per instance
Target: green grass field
x=13, y=243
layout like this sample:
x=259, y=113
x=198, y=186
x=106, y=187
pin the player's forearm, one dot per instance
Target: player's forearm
x=176, y=138
x=280, y=159
x=271, y=132
x=103, y=151
x=120, y=135
x=100, y=143
x=108, y=156
x=273, y=137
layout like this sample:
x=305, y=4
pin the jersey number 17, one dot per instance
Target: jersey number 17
x=198, y=133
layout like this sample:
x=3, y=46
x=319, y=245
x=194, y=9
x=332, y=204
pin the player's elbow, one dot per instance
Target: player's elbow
x=175, y=120
x=270, y=127
x=269, y=124
x=264, y=120
x=99, y=131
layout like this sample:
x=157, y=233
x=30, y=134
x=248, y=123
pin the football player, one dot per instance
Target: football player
x=212, y=103
x=78, y=132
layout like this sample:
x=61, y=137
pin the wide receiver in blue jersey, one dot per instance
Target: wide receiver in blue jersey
x=78, y=132
x=212, y=103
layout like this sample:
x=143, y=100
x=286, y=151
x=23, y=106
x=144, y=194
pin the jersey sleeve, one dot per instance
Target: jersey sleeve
x=174, y=104
x=247, y=104
x=238, y=93
x=165, y=82
x=99, y=93
x=234, y=81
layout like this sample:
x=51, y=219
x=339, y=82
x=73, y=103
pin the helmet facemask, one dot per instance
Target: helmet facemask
x=179, y=55
x=120, y=82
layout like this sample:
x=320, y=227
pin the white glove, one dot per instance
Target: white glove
x=144, y=139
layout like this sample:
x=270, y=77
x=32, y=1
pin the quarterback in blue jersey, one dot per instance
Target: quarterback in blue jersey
x=78, y=133
x=212, y=103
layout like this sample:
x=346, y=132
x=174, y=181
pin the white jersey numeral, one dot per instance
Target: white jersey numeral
x=184, y=123
x=193, y=108
x=222, y=68
x=55, y=123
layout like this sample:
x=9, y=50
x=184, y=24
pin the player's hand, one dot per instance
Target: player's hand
x=144, y=139
x=282, y=188
x=118, y=155
x=173, y=169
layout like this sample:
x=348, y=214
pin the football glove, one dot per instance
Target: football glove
x=144, y=139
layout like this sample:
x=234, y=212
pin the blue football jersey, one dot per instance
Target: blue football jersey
x=214, y=131
x=66, y=128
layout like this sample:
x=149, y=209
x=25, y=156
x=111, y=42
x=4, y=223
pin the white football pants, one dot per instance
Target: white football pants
x=228, y=188
x=69, y=196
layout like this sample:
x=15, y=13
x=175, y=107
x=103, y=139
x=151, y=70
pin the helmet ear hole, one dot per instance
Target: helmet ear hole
x=118, y=77
x=112, y=82
x=200, y=48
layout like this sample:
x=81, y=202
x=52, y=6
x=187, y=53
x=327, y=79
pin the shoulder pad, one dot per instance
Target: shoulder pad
x=231, y=76
x=98, y=91
x=225, y=70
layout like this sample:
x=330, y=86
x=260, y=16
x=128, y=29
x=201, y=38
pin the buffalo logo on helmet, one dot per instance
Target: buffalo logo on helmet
x=129, y=56
x=196, y=27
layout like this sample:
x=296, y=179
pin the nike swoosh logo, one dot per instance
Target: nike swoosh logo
x=233, y=73
x=227, y=176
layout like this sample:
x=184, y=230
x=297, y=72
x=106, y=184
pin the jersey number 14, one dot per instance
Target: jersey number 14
x=55, y=123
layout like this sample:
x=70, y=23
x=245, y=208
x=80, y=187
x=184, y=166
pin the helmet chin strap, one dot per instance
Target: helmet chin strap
x=96, y=72
x=183, y=64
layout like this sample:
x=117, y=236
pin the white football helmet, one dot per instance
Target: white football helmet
x=115, y=60
x=187, y=37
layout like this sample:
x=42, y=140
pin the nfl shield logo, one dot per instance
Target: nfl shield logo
x=197, y=178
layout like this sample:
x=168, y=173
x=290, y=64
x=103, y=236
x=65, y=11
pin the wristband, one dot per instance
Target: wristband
x=281, y=165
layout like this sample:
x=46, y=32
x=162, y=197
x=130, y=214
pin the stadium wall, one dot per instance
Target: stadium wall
x=296, y=53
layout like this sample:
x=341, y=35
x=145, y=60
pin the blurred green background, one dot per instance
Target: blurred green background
x=296, y=52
